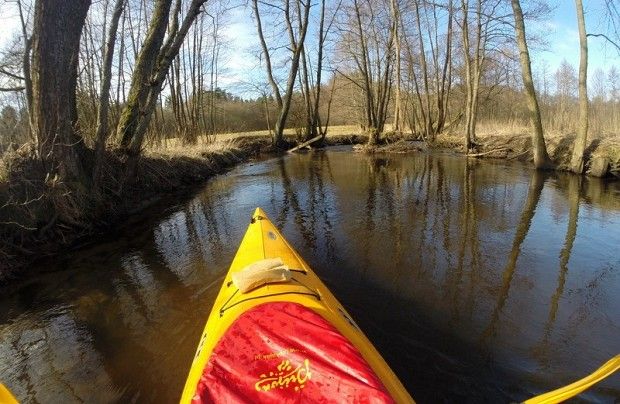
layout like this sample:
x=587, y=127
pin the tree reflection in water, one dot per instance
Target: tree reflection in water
x=533, y=196
x=449, y=265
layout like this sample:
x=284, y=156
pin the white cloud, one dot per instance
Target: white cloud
x=9, y=23
x=239, y=63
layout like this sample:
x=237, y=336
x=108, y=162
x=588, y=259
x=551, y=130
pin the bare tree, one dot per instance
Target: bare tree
x=473, y=65
x=102, y=133
x=311, y=87
x=576, y=164
x=429, y=68
x=15, y=64
x=296, y=46
x=150, y=71
x=541, y=158
x=26, y=56
x=368, y=46
x=397, y=126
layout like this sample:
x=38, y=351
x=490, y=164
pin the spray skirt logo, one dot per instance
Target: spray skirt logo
x=285, y=376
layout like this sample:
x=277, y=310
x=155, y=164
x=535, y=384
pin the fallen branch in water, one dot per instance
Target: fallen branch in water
x=488, y=152
x=519, y=155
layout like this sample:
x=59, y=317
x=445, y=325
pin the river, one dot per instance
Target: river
x=476, y=280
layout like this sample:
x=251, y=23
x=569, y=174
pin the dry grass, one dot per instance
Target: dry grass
x=40, y=217
x=175, y=143
x=497, y=139
x=198, y=151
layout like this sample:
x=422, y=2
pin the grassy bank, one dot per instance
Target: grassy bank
x=514, y=143
x=500, y=141
x=40, y=216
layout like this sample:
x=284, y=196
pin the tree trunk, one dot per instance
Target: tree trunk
x=576, y=163
x=468, y=75
x=267, y=116
x=365, y=70
x=446, y=76
x=150, y=72
x=324, y=129
x=306, y=93
x=104, y=95
x=316, y=118
x=57, y=30
x=428, y=125
x=261, y=36
x=541, y=157
x=297, y=46
x=397, y=125
x=141, y=80
x=26, y=62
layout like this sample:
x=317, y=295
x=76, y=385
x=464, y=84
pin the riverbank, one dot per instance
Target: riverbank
x=602, y=156
x=40, y=217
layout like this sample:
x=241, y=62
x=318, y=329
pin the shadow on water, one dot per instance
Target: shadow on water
x=476, y=281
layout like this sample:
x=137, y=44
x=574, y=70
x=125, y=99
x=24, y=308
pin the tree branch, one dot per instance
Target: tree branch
x=607, y=39
x=11, y=89
x=12, y=75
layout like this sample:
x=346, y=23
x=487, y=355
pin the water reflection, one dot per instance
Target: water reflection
x=523, y=227
x=53, y=361
x=291, y=200
x=573, y=191
x=476, y=281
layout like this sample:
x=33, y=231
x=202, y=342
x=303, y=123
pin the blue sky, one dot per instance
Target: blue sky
x=562, y=37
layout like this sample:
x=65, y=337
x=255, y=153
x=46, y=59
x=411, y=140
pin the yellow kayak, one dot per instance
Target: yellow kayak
x=6, y=397
x=277, y=334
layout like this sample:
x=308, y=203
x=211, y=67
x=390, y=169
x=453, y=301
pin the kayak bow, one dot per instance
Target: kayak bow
x=6, y=397
x=277, y=334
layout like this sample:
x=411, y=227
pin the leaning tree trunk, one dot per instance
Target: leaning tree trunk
x=167, y=53
x=541, y=158
x=576, y=163
x=141, y=80
x=57, y=30
x=151, y=69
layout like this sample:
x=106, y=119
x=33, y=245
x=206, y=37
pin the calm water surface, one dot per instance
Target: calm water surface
x=477, y=281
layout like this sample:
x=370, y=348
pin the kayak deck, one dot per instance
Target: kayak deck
x=235, y=317
x=275, y=350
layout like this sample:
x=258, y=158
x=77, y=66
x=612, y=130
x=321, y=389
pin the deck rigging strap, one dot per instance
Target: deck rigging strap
x=259, y=273
x=311, y=292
